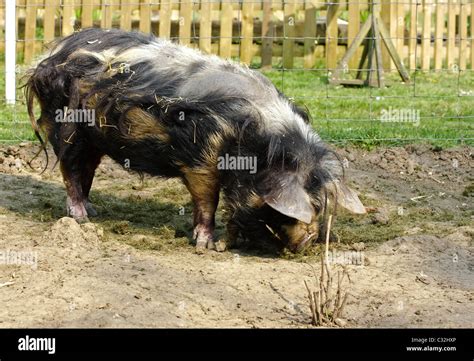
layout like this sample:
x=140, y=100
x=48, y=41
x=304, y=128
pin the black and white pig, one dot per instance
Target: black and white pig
x=171, y=111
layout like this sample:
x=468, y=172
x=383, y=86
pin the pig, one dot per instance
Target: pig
x=171, y=111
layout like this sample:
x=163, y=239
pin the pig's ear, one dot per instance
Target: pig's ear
x=346, y=197
x=290, y=199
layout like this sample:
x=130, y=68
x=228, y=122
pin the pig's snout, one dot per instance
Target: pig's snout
x=301, y=235
x=298, y=247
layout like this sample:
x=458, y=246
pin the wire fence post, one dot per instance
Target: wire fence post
x=10, y=52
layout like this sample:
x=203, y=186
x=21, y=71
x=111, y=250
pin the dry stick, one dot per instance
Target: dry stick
x=338, y=295
x=328, y=231
x=328, y=294
x=319, y=298
x=311, y=304
x=326, y=256
x=321, y=279
x=316, y=303
x=6, y=284
x=341, y=308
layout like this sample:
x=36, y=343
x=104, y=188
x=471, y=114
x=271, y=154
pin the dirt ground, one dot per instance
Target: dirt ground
x=134, y=265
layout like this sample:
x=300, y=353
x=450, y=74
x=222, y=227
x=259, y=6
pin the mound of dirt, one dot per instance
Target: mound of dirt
x=75, y=240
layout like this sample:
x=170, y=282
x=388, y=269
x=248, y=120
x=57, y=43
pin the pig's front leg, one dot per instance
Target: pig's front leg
x=78, y=167
x=204, y=224
x=205, y=194
x=90, y=164
x=75, y=199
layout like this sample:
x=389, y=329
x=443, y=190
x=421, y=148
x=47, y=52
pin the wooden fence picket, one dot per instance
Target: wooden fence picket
x=246, y=42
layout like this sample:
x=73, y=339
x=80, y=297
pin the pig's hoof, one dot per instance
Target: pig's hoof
x=220, y=246
x=91, y=212
x=210, y=245
x=203, y=245
x=200, y=247
x=82, y=220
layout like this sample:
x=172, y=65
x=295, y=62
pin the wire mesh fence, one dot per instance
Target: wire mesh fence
x=301, y=46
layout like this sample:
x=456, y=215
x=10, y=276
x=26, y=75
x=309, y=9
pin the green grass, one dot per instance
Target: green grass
x=348, y=114
x=352, y=114
x=14, y=121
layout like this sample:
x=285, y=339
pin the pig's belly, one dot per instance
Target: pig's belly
x=149, y=157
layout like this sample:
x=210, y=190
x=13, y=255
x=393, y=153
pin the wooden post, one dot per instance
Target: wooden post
x=165, y=19
x=426, y=36
x=392, y=27
x=49, y=22
x=267, y=34
x=332, y=35
x=440, y=12
x=2, y=23
x=401, y=28
x=185, y=21
x=463, y=35
x=205, y=26
x=126, y=15
x=472, y=36
x=246, y=43
x=451, y=57
x=413, y=42
x=106, y=16
x=87, y=11
x=225, y=41
x=387, y=17
x=30, y=30
x=19, y=45
x=145, y=16
x=353, y=29
x=378, y=48
x=69, y=17
x=289, y=23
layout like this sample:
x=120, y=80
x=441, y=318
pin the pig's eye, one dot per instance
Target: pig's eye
x=317, y=207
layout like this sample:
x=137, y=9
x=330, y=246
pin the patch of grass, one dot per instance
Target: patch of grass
x=469, y=190
x=122, y=227
x=353, y=115
x=14, y=122
x=351, y=230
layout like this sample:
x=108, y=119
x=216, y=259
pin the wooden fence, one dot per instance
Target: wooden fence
x=429, y=34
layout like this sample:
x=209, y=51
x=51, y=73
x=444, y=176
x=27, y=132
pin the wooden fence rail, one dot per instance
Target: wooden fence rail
x=428, y=34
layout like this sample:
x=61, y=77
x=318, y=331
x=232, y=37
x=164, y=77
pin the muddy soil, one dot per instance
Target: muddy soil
x=411, y=261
